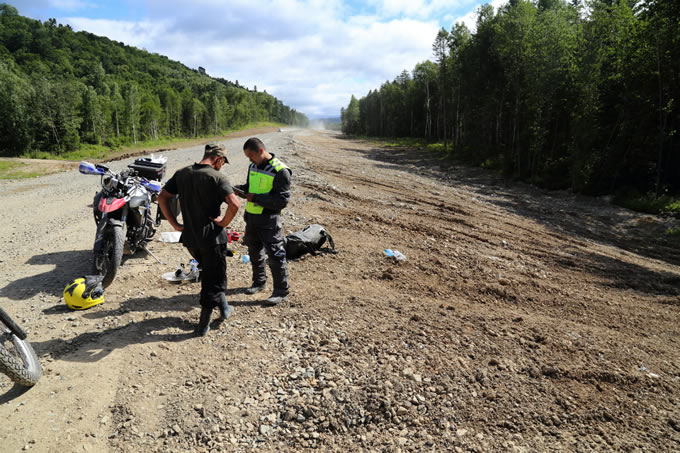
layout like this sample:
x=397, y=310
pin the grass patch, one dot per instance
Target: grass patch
x=650, y=203
x=404, y=142
x=15, y=170
x=493, y=163
x=101, y=152
x=86, y=151
x=413, y=143
x=674, y=235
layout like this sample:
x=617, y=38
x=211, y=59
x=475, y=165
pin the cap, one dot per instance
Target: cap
x=216, y=149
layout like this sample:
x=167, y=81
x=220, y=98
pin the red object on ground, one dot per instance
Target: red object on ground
x=233, y=236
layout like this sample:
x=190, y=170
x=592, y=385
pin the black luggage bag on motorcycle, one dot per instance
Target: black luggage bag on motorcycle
x=147, y=168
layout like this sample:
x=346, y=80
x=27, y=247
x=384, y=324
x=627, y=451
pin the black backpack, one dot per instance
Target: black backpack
x=307, y=240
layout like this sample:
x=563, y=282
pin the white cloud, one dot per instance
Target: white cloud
x=301, y=52
x=311, y=54
x=143, y=34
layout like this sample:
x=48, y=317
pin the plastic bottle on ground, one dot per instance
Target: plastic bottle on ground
x=399, y=256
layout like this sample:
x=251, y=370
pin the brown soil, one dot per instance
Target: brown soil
x=521, y=320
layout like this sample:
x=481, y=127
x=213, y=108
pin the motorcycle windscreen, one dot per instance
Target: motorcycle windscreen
x=111, y=204
x=87, y=168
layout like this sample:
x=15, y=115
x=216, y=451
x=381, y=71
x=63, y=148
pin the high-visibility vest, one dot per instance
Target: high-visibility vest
x=261, y=180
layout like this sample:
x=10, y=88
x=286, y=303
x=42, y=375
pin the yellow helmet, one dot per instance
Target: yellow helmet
x=83, y=293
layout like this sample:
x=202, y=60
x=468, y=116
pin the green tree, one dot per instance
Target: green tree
x=459, y=41
x=131, y=109
x=116, y=107
x=56, y=115
x=150, y=115
x=513, y=34
x=116, y=93
x=425, y=75
x=441, y=54
x=15, y=93
x=350, y=119
x=92, y=114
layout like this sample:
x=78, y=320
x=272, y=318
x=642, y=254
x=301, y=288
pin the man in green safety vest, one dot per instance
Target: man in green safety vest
x=267, y=190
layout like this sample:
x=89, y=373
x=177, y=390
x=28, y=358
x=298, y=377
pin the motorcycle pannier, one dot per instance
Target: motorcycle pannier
x=150, y=168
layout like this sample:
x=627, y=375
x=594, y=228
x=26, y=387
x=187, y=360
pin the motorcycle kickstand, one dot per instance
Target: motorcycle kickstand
x=154, y=256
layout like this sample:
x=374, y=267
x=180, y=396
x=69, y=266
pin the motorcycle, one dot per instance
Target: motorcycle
x=17, y=357
x=122, y=212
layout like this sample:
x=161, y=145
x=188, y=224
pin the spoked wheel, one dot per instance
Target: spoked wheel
x=17, y=357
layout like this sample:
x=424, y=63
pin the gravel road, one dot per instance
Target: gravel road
x=522, y=320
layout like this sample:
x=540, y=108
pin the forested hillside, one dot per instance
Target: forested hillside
x=578, y=94
x=59, y=88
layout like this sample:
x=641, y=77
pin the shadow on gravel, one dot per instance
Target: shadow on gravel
x=250, y=303
x=182, y=302
x=256, y=300
x=623, y=275
x=94, y=346
x=13, y=393
x=567, y=214
x=58, y=309
x=67, y=266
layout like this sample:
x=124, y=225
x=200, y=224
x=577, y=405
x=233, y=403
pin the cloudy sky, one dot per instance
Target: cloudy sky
x=311, y=54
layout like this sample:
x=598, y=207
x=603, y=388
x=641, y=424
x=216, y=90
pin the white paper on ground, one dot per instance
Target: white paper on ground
x=170, y=236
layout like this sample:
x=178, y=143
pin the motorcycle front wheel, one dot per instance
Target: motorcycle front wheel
x=17, y=357
x=107, y=262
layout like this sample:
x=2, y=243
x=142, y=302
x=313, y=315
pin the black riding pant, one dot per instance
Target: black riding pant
x=263, y=235
x=213, y=264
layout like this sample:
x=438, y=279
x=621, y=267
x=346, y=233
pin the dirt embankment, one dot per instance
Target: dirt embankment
x=521, y=320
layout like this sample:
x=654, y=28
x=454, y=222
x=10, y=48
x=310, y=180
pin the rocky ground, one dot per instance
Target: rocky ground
x=521, y=320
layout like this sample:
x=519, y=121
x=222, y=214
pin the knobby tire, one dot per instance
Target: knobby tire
x=113, y=253
x=20, y=364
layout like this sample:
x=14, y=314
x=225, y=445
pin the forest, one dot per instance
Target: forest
x=60, y=89
x=580, y=95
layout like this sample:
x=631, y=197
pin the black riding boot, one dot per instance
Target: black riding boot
x=204, y=322
x=225, y=309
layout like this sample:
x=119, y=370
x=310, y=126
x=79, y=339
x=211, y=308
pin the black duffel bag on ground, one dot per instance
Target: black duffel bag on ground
x=310, y=239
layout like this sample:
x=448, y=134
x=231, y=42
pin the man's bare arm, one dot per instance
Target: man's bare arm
x=164, y=203
x=232, y=208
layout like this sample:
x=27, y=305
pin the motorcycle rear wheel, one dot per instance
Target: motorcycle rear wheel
x=17, y=357
x=108, y=261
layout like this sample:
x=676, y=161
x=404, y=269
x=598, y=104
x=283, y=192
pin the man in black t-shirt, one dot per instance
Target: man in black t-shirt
x=202, y=189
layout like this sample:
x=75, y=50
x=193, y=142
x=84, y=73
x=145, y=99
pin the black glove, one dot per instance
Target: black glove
x=93, y=286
